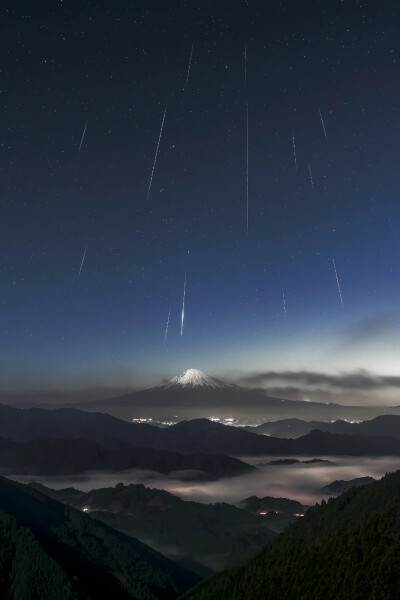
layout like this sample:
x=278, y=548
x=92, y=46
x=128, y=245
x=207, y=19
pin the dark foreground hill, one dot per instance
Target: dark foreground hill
x=203, y=537
x=347, y=548
x=49, y=456
x=54, y=552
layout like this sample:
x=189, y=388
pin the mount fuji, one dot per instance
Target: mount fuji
x=195, y=379
x=193, y=394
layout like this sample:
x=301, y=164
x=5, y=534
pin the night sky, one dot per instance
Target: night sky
x=116, y=66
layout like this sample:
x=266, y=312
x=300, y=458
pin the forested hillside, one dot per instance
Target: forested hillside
x=347, y=548
x=49, y=551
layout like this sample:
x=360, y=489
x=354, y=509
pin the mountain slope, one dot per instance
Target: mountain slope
x=346, y=548
x=290, y=428
x=49, y=456
x=186, y=437
x=193, y=394
x=201, y=435
x=50, y=551
x=318, y=442
x=340, y=485
x=194, y=378
x=22, y=425
x=277, y=513
x=204, y=537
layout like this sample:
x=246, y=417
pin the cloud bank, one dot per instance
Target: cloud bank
x=356, y=387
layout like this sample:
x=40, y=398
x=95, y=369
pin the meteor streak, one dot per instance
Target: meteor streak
x=183, y=306
x=166, y=329
x=83, y=135
x=311, y=179
x=284, y=304
x=247, y=168
x=294, y=151
x=337, y=281
x=190, y=63
x=155, y=157
x=82, y=261
x=322, y=123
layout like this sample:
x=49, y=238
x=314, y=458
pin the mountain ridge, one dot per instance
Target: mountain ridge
x=186, y=437
x=193, y=394
x=345, y=548
x=290, y=428
x=55, y=456
x=203, y=537
x=50, y=550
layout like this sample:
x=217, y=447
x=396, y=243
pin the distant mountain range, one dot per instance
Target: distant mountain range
x=193, y=394
x=51, y=551
x=53, y=456
x=202, y=537
x=346, y=548
x=293, y=461
x=185, y=438
x=290, y=428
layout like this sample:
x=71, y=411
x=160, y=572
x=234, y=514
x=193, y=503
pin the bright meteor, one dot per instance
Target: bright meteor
x=183, y=306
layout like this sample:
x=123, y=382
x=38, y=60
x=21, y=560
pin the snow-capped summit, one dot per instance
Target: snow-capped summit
x=193, y=378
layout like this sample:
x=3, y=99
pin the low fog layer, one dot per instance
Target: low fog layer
x=300, y=482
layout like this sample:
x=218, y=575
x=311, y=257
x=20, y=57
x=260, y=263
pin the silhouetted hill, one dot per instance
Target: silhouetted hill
x=318, y=442
x=49, y=456
x=281, y=462
x=215, y=437
x=23, y=425
x=340, y=486
x=290, y=428
x=276, y=512
x=346, y=548
x=51, y=551
x=385, y=425
x=284, y=505
x=207, y=436
x=186, y=437
x=204, y=537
